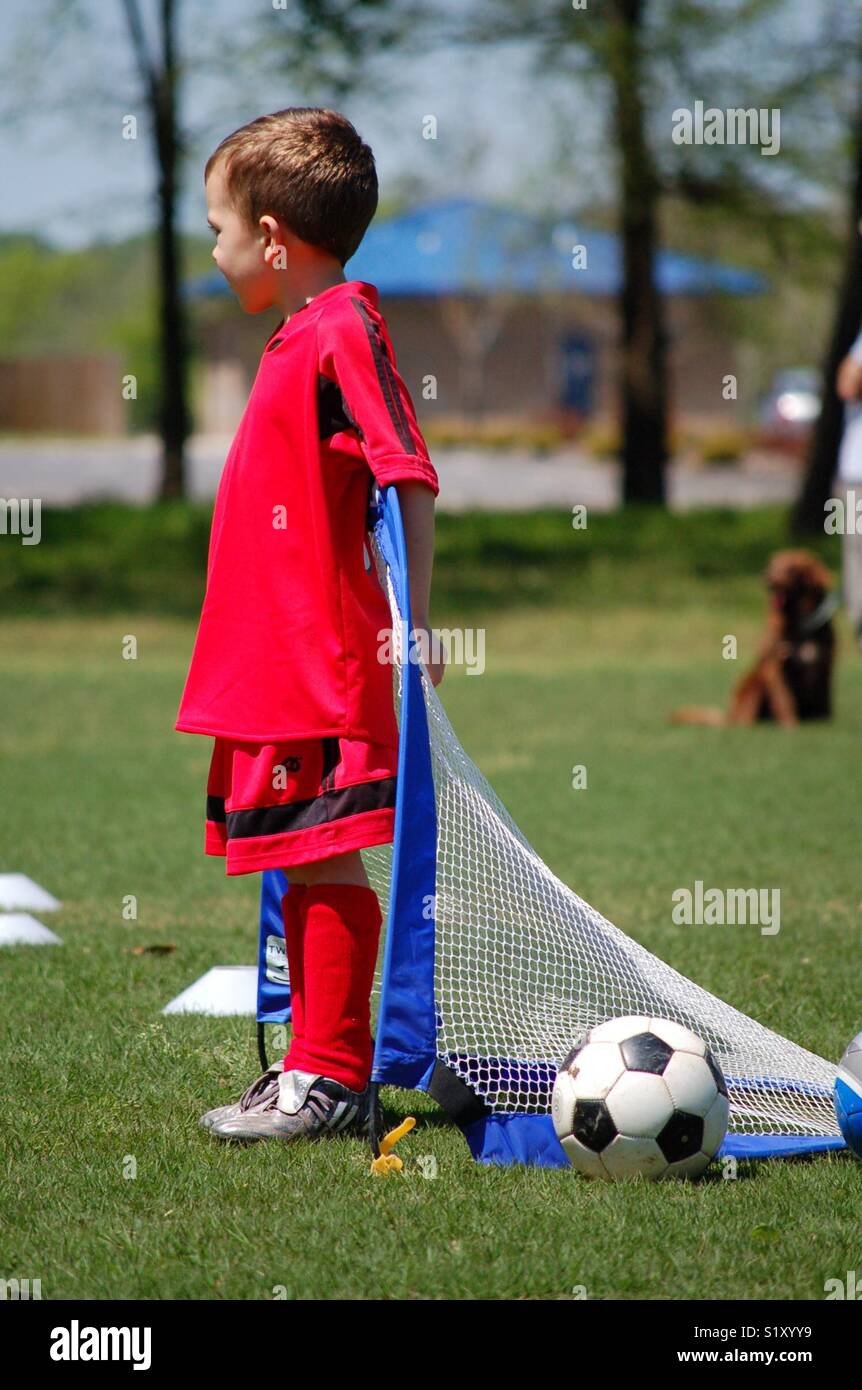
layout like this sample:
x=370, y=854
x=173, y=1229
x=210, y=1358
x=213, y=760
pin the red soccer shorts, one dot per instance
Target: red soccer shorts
x=272, y=805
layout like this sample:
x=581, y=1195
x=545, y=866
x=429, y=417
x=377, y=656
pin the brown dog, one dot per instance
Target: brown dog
x=792, y=677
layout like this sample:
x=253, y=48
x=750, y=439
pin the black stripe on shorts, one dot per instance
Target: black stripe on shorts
x=331, y=806
x=331, y=759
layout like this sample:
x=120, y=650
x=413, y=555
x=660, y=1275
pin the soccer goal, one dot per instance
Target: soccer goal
x=493, y=968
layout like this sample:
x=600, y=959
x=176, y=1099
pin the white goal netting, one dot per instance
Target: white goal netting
x=523, y=966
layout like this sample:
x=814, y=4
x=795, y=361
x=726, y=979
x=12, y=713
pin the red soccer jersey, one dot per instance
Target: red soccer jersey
x=287, y=643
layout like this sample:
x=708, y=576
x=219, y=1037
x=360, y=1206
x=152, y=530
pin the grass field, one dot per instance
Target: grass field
x=102, y=800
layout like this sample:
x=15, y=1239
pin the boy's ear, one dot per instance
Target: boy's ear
x=269, y=229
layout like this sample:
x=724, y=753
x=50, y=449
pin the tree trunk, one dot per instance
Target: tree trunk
x=808, y=514
x=174, y=418
x=644, y=342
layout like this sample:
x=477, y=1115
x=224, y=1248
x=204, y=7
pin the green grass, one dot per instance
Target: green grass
x=112, y=557
x=102, y=800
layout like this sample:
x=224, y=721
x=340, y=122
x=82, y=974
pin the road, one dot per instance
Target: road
x=64, y=472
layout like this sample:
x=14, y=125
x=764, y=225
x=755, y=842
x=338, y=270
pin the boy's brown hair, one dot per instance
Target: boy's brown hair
x=307, y=166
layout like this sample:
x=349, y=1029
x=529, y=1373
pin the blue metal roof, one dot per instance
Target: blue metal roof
x=459, y=246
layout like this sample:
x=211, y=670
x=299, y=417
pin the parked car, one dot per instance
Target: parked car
x=792, y=404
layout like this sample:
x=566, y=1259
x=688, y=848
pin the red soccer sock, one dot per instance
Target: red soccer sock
x=293, y=941
x=342, y=930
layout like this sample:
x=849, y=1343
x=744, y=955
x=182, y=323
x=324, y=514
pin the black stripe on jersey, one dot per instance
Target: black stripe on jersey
x=386, y=377
x=372, y=509
x=318, y=810
x=406, y=437
x=273, y=340
x=333, y=412
x=215, y=809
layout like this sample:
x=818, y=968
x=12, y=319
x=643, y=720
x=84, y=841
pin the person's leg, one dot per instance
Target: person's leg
x=339, y=796
x=293, y=942
x=341, y=869
x=338, y=868
x=852, y=577
x=341, y=920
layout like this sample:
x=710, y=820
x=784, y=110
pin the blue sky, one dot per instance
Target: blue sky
x=75, y=179
x=68, y=173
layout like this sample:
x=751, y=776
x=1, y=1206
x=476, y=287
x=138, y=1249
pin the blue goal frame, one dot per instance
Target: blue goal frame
x=405, y=1052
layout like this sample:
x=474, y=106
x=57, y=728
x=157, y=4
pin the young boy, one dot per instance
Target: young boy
x=285, y=672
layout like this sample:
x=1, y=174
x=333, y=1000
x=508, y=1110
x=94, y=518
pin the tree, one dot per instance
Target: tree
x=807, y=517
x=644, y=339
x=321, y=42
x=638, y=57
x=814, y=75
x=160, y=82
x=317, y=50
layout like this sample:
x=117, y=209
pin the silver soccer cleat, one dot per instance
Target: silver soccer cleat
x=301, y=1106
x=259, y=1093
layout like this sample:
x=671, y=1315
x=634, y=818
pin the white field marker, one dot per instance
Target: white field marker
x=19, y=891
x=20, y=929
x=224, y=990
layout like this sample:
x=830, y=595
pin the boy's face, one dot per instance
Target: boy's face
x=245, y=255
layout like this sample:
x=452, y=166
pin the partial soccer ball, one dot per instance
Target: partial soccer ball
x=640, y=1096
x=848, y=1095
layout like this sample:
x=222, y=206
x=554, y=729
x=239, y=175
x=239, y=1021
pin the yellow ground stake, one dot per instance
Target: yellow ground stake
x=388, y=1162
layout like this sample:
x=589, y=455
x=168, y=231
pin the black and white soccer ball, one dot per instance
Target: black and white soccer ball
x=640, y=1096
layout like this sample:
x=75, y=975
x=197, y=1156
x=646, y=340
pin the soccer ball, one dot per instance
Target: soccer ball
x=640, y=1096
x=848, y=1095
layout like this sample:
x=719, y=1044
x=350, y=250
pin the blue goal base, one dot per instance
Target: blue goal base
x=531, y=1139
